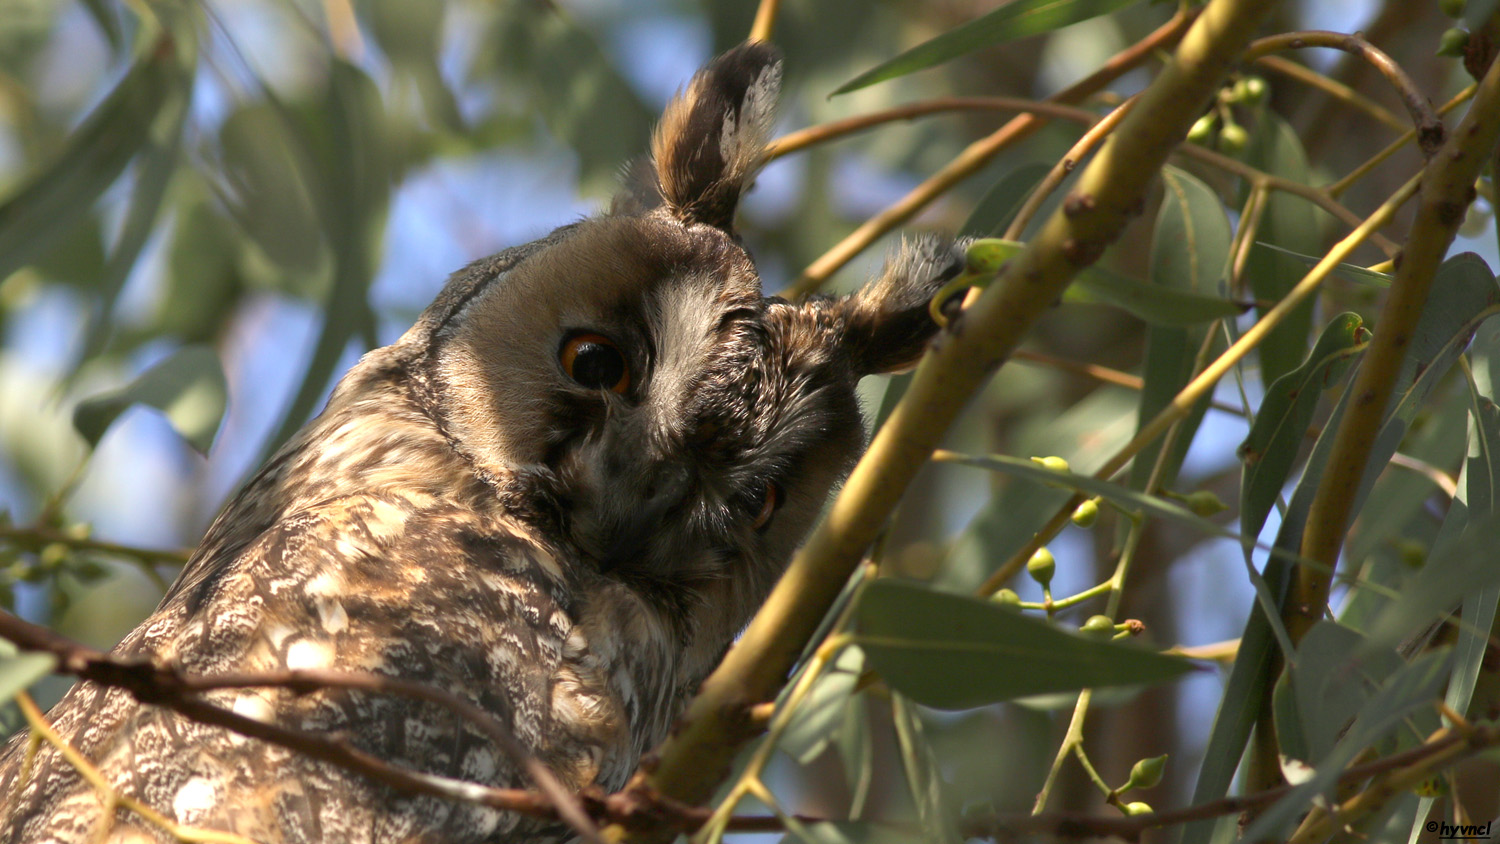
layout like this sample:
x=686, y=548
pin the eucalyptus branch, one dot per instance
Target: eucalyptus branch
x=1050, y=182
x=1447, y=190
x=1110, y=192
x=1339, y=187
x=765, y=20
x=1429, y=127
x=36, y=537
x=979, y=153
x=1204, y=382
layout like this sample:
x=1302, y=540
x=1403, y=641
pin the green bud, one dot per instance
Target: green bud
x=1233, y=137
x=1147, y=772
x=1137, y=808
x=1453, y=42
x=1042, y=566
x=1056, y=464
x=1252, y=90
x=1204, y=503
x=1098, y=626
x=1452, y=8
x=1203, y=128
x=1086, y=514
x=1007, y=598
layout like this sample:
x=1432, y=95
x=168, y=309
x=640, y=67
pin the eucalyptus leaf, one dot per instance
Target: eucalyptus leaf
x=188, y=387
x=19, y=671
x=821, y=712
x=1281, y=422
x=1016, y=19
x=957, y=652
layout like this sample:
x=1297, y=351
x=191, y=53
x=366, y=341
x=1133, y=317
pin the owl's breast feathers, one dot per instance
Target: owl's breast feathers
x=401, y=576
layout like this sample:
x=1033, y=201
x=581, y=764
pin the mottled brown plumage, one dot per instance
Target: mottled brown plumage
x=478, y=510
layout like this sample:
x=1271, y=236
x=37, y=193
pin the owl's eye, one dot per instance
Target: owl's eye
x=768, y=505
x=594, y=361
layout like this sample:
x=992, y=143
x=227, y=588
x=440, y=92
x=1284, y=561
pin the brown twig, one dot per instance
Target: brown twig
x=765, y=20
x=1430, y=129
x=1079, y=151
x=37, y=537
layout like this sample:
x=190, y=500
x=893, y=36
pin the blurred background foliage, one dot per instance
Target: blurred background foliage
x=208, y=210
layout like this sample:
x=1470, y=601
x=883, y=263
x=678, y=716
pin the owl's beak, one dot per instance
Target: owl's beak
x=638, y=518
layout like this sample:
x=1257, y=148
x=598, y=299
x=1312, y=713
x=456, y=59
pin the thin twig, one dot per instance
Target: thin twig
x=1338, y=188
x=765, y=20
x=1338, y=90
x=979, y=153
x=836, y=129
x=1429, y=127
x=1049, y=183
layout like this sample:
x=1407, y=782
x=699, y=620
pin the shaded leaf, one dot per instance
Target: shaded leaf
x=994, y=211
x=1189, y=250
x=1016, y=19
x=1290, y=222
x=19, y=671
x=188, y=387
x=822, y=711
x=1281, y=423
x=956, y=652
x=56, y=199
x=1151, y=303
x=923, y=776
x=1352, y=272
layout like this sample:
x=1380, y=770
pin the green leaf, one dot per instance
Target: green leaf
x=923, y=775
x=1189, y=250
x=19, y=671
x=1016, y=19
x=55, y=200
x=999, y=205
x=1352, y=272
x=1276, y=435
x=855, y=750
x=576, y=88
x=188, y=387
x=1411, y=687
x=1151, y=303
x=1290, y=222
x=1330, y=681
x=956, y=652
x=821, y=712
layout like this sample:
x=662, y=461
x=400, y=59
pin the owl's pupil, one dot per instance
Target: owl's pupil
x=599, y=366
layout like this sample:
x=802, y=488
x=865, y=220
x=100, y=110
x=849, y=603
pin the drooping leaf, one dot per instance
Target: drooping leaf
x=994, y=211
x=1331, y=679
x=820, y=713
x=1276, y=435
x=1189, y=250
x=58, y=197
x=1290, y=222
x=188, y=387
x=956, y=652
x=1016, y=19
x=1152, y=303
x=1352, y=272
x=923, y=776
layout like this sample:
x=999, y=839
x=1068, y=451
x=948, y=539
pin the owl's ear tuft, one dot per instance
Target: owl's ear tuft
x=887, y=323
x=712, y=136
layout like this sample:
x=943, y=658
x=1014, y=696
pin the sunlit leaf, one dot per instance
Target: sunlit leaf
x=1016, y=19
x=188, y=387
x=956, y=652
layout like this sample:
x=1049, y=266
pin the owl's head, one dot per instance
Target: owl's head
x=674, y=427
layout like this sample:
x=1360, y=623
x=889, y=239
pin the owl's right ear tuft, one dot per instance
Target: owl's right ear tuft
x=887, y=322
x=712, y=136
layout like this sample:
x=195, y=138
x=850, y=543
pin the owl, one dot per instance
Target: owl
x=558, y=496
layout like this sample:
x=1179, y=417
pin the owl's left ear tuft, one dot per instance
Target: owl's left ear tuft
x=887, y=322
x=712, y=136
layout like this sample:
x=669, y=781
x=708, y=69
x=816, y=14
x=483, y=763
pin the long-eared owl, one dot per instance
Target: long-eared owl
x=558, y=496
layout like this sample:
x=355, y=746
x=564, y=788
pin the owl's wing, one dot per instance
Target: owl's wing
x=407, y=588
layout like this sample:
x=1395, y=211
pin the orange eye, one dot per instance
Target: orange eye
x=594, y=361
x=768, y=506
